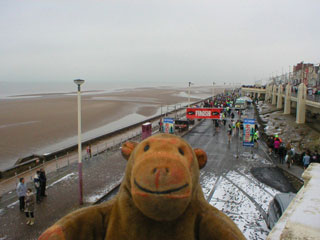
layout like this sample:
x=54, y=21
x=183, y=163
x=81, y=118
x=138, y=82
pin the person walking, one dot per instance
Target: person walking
x=238, y=127
x=241, y=130
x=36, y=181
x=306, y=160
x=229, y=133
x=233, y=127
x=270, y=143
x=277, y=137
x=21, y=191
x=276, y=145
x=282, y=153
x=224, y=121
x=256, y=138
x=290, y=156
x=160, y=126
x=89, y=155
x=216, y=124
x=232, y=115
x=29, y=210
x=315, y=157
x=43, y=182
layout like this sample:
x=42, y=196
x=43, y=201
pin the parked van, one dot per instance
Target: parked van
x=277, y=207
x=240, y=104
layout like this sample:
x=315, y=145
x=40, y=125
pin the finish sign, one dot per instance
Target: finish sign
x=204, y=113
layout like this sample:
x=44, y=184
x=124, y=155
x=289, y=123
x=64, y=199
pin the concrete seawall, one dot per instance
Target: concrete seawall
x=301, y=220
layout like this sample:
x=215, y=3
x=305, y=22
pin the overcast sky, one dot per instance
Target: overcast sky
x=164, y=41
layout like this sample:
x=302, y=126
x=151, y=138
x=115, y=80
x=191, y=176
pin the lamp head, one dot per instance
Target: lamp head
x=78, y=81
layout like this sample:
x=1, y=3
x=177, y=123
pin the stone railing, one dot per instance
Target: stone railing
x=301, y=220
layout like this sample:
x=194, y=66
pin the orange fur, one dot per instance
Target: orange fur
x=159, y=198
x=55, y=231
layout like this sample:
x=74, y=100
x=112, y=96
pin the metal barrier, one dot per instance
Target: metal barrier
x=64, y=162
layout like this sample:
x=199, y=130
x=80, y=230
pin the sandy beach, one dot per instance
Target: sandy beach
x=40, y=123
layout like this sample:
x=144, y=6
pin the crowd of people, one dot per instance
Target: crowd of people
x=287, y=154
x=221, y=101
x=254, y=86
x=26, y=196
x=284, y=152
x=235, y=127
x=308, y=157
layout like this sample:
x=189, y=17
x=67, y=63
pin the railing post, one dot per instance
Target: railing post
x=16, y=178
x=279, y=100
x=56, y=163
x=274, y=96
x=287, y=101
x=30, y=172
x=301, y=104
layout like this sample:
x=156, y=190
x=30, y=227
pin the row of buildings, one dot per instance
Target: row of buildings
x=307, y=73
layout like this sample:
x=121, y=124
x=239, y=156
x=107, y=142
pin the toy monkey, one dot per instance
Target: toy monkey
x=160, y=198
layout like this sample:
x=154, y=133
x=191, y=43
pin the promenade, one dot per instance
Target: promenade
x=100, y=173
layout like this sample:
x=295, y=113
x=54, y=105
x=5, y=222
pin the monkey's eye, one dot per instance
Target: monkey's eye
x=146, y=148
x=181, y=151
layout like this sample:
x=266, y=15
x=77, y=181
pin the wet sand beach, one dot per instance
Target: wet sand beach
x=40, y=123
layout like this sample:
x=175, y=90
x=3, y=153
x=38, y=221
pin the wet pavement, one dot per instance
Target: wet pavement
x=100, y=174
x=227, y=182
x=273, y=177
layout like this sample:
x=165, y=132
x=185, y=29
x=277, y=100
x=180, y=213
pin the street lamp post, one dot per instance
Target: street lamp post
x=190, y=83
x=213, y=83
x=175, y=111
x=79, y=82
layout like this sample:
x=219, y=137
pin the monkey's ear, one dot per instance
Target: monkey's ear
x=127, y=149
x=201, y=156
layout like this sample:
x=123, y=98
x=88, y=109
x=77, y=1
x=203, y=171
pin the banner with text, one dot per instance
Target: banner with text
x=204, y=113
x=248, y=132
x=168, y=125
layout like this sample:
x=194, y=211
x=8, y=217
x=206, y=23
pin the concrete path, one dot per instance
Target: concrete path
x=240, y=181
x=100, y=174
x=8, y=186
